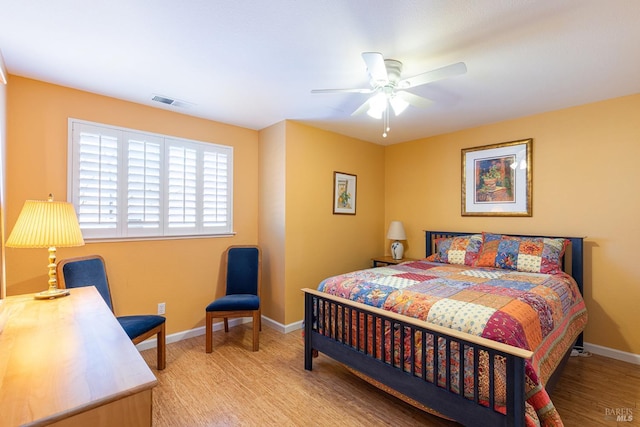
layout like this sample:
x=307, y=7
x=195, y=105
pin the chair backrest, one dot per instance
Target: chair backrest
x=243, y=270
x=85, y=271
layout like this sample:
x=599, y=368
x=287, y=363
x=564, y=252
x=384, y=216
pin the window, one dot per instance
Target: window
x=130, y=184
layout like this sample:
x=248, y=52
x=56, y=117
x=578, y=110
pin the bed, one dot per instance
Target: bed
x=477, y=332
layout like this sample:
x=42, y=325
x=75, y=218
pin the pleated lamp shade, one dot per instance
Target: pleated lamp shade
x=44, y=224
x=47, y=224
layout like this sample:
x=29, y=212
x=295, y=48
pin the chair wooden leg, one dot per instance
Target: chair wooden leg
x=162, y=349
x=226, y=324
x=208, y=332
x=256, y=330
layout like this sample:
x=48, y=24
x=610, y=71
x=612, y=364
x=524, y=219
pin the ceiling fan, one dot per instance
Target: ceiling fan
x=388, y=89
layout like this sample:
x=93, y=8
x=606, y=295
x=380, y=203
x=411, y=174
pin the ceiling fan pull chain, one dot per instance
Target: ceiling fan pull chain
x=385, y=118
x=385, y=122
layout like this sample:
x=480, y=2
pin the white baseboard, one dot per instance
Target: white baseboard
x=285, y=329
x=612, y=353
x=183, y=335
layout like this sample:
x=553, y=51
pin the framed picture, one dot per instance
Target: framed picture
x=496, y=179
x=344, y=193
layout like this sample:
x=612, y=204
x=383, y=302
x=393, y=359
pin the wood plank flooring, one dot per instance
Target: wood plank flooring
x=234, y=386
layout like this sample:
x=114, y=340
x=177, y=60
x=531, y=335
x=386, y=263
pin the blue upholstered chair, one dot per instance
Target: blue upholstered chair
x=242, y=277
x=90, y=271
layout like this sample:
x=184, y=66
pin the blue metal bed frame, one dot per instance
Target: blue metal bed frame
x=328, y=323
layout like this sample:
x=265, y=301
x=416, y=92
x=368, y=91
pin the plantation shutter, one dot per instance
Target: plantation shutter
x=130, y=184
x=96, y=160
x=216, y=196
x=143, y=184
x=182, y=187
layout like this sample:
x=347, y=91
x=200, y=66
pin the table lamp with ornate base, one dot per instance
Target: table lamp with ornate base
x=53, y=291
x=47, y=224
x=396, y=233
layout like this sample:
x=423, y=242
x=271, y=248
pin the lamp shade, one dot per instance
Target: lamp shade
x=398, y=104
x=44, y=224
x=396, y=231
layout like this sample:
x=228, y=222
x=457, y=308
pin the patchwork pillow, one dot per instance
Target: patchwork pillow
x=530, y=254
x=457, y=250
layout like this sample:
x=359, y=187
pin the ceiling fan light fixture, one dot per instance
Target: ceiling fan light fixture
x=374, y=113
x=398, y=104
x=377, y=105
x=379, y=101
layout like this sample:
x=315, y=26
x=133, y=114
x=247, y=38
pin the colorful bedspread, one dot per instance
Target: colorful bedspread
x=538, y=312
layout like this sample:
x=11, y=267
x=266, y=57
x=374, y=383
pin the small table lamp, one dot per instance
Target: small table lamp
x=47, y=224
x=396, y=233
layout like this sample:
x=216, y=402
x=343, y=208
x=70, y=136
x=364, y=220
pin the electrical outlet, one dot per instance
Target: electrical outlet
x=161, y=308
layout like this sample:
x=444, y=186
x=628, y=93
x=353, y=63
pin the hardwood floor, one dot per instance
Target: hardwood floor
x=234, y=386
x=591, y=389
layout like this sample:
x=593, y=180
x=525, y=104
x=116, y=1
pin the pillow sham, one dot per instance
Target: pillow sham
x=528, y=254
x=461, y=250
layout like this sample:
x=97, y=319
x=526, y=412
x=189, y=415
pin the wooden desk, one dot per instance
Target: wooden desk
x=67, y=362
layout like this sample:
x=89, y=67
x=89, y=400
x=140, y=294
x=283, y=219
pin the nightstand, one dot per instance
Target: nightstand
x=387, y=260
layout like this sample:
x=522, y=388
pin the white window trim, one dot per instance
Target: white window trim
x=122, y=232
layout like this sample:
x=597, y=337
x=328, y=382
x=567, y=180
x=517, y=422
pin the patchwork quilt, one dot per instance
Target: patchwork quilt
x=543, y=313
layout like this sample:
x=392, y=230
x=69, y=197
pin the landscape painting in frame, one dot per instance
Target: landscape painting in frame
x=344, y=193
x=496, y=179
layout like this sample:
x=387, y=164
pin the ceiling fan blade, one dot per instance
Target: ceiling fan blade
x=375, y=66
x=415, y=100
x=363, y=90
x=361, y=109
x=433, y=75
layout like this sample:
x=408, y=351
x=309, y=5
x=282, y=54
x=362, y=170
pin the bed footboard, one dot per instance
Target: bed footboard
x=403, y=360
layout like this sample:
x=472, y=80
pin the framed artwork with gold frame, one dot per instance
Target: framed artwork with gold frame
x=344, y=193
x=496, y=179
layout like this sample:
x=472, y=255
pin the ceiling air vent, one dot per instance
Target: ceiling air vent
x=162, y=99
x=170, y=101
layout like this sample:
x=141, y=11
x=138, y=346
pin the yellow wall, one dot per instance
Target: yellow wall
x=305, y=241
x=318, y=243
x=3, y=134
x=271, y=216
x=184, y=273
x=585, y=175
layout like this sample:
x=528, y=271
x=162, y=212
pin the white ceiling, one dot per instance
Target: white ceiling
x=254, y=63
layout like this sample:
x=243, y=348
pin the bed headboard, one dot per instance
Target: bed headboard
x=574, y=251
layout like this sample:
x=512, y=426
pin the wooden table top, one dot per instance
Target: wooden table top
x=64, y=356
